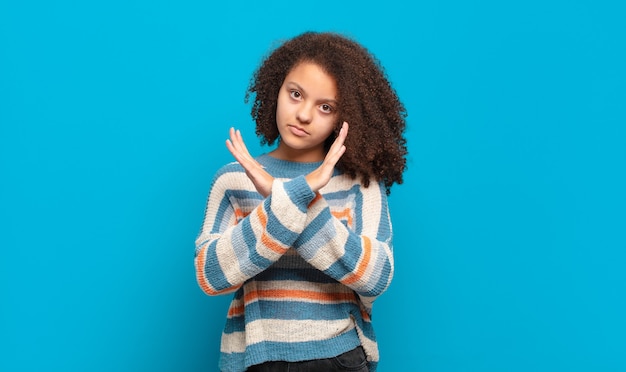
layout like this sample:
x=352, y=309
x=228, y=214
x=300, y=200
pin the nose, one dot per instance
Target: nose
x=304, y=114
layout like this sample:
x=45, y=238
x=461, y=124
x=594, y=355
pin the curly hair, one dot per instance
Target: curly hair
x=375, y=146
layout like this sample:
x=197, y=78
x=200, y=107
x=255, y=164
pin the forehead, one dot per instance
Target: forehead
x=312, y=79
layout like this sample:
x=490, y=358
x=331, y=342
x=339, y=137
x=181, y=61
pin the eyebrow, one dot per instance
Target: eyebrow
x=329, y=100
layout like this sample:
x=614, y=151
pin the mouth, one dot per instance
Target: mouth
x=297, y=131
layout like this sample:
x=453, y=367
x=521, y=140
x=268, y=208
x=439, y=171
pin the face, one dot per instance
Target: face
x=306, y=113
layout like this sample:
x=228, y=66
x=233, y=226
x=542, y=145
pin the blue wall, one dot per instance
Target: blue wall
x=510, y=226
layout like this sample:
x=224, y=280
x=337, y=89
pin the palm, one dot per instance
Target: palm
x=320, y=176
x=260, y=178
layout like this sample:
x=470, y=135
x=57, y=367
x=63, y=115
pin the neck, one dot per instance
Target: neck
x=300, y=156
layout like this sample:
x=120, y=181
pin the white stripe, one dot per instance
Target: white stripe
x=296, y=330
x=371, y=208
x=284, y=210
x=233, y=342
x=228, y=261
x=332, y=252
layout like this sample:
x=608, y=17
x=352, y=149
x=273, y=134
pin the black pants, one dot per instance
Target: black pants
x=353, y=361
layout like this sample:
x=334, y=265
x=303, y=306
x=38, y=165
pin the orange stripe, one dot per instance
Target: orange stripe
x=365, y=316
x=235, y=310
x=358, y=274
x=317, y=197
x=239, y=215
x=272, y=244
x=346, y=213
x=265, y=239
x=201, y=277
x=299, y=294
x=261, y=215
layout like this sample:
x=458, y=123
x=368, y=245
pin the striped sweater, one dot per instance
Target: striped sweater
x=304, y=267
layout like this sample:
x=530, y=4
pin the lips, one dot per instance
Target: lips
x=297, y=131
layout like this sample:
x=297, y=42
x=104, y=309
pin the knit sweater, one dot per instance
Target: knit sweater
x=305, y=267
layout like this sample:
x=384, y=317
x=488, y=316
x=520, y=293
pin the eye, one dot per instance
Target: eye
x=295, y=94
x=326, y=108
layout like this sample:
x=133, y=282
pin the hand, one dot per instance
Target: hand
x=320, y=177
x=260, y=178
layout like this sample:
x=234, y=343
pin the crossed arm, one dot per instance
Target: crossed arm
x=360, y=259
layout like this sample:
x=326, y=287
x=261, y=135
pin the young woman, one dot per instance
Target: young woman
x=302, y=234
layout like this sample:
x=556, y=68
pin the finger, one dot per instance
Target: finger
x=233, y=151
x=238, y=149
x=241, y=155
x=236, y=140
x=237, y=143
x=232, y=143
x=242, y=146
x=344, y=129
x=337, y=149
x=231, y=134
x=341, y=137
x=343, y=132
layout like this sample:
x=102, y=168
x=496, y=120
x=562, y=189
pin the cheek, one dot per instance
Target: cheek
x=282, y=107
x=329, y=126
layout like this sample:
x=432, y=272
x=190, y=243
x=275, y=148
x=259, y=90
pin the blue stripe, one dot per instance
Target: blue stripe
x=342, y=195
x=358, y=210
x=215, y=277
x=306, y=275
x=297, y=310
x=253, y=258
x=235, y=324
x=246, y=197
x=221, y=215
x=299, y=193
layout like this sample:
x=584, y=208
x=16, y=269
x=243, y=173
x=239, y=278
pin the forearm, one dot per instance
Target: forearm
x=359, y=256
x=226, y=259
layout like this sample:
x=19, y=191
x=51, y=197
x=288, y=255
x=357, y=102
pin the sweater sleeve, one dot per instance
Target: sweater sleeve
x=231, y=248
x=359, y=256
